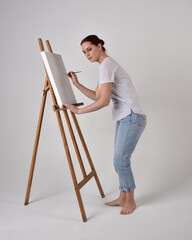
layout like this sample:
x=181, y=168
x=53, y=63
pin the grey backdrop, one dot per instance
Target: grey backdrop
x=151, y=40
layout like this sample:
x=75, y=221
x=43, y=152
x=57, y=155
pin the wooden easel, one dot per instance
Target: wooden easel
x=86, y=177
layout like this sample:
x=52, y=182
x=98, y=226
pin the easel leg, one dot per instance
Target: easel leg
x=71, y=167
x=87, y=154
x=75, y=143
x=36, y=143
x=81, y=205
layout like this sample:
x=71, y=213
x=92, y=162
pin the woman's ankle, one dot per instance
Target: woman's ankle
x=122, y=196
x=129, y=196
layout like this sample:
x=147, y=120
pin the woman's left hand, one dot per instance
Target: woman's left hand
x=72, y=108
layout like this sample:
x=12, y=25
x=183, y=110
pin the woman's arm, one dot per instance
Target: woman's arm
x=87, y=92
x=102, y=101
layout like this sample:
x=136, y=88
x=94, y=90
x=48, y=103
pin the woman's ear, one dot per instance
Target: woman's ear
x=100, y=46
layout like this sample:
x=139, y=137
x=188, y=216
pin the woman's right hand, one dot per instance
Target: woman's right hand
x=73, y=77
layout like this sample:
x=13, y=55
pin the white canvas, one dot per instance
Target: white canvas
x=58, y=77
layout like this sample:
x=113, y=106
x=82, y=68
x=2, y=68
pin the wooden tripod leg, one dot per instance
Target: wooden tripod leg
x=36, y=142
x=87, y=154
x=75, y=143
x=71, y=167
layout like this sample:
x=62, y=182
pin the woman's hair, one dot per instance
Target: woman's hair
x=93, y=39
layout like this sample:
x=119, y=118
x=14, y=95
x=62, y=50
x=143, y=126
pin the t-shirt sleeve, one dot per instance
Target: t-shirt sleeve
x=106, y=74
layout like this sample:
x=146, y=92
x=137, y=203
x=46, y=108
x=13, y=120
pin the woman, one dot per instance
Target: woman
x=115, y=84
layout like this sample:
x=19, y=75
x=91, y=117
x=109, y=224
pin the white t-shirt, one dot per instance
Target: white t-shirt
x=123, y=94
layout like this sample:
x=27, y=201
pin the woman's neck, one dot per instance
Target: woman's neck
x=102, y=57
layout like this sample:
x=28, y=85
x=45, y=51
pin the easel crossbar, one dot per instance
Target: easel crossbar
x=86, y=179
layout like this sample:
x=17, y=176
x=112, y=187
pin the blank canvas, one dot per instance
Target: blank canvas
x=59, y=78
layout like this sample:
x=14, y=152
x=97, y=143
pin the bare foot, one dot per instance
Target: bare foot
x=128, y=208
x=116, y=202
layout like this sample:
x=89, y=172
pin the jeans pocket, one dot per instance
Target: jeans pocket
x=141, y=119
x=125, y=119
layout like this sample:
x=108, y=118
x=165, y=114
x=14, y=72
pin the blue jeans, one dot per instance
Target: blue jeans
x=127, y=134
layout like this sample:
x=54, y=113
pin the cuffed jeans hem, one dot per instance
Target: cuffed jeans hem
x=127, y=189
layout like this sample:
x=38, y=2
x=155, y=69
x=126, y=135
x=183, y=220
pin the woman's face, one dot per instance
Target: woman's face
x=91, y=51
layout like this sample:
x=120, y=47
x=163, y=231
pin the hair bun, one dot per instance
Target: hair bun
x=101, y=41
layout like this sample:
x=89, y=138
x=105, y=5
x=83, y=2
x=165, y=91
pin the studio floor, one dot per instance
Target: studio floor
x=160, y=215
